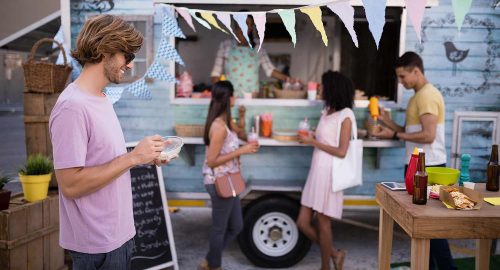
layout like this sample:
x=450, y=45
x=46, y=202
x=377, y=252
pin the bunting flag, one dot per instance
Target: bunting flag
x=346, y=14
x=158, y=71
x=460, y=9
x=315, y=15
x=259, y=19
x=166, y=51
x=77, y=69
x=288, y=18
x=225, y=19
x=416, y=10
x=209, y=17
x=169, y=26
x=187, y=17
x=114, y=93
x=199, y=20
x=241, y=19
x=139, y=89
x=375, y=14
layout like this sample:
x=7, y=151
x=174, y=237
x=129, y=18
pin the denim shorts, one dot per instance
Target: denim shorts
x=113, y=260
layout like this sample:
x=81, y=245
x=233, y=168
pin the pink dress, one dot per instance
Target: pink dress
x=317, y=193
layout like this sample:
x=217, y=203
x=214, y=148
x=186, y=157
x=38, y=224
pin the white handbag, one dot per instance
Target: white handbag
x=347, y=172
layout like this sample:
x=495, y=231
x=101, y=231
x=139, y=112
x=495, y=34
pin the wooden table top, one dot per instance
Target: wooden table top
x=434, y=220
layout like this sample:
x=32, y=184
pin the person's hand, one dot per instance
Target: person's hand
x=249, y=148
x=159, y=161
x=383, y=132
x=241, y=111
x=306, y=139
x=383, y=115
x=147, y=150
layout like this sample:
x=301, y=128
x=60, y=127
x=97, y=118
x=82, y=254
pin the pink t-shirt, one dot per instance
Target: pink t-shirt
x=85, y=132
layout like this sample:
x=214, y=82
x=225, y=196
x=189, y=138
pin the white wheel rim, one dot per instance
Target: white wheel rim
x=277, y=222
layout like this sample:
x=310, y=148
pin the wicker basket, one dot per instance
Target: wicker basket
x=45, y=77
x=290, y=94
x=189, y=130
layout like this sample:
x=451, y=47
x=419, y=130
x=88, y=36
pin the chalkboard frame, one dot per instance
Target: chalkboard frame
x=168, y=223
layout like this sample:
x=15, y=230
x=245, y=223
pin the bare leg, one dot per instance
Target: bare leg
x=325, y=241
x=304, y=223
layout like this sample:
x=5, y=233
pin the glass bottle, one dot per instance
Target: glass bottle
x=493, y=170
x=420, y=181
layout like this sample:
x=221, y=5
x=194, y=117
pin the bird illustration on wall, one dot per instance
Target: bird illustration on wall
x=454, y=55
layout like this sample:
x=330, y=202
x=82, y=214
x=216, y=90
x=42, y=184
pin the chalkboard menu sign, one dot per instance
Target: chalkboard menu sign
x=154, y=242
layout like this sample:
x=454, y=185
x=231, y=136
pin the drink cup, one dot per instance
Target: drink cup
x=253, y=138
x=311, y=94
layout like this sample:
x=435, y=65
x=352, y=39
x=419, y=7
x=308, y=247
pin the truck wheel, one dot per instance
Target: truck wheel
x=270, y=238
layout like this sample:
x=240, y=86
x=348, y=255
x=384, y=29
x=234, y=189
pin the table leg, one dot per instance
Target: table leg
x=386, y=227
x=420, y=253
x=483, y=247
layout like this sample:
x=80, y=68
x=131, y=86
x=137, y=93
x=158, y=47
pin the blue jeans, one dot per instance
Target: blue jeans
x=227, y=222
x=118, y=259
x=440, y=253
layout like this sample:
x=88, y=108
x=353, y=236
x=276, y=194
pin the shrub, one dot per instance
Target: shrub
x=37, y=165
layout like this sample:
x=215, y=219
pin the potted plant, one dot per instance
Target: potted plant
x=35, y=177
x=4, y=193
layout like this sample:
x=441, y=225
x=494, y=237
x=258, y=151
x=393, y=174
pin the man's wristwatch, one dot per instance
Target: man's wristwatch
x=395, y=136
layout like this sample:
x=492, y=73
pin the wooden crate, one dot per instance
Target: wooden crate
x=29, y=235
x=37, y=109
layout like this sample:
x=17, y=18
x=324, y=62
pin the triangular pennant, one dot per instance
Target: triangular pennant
x=288, y=18
x=187, y=17
x=167, y=51
x=416, y=10
x=241, y=19
x=169, y=26
x=315, y=15
x=225, y=19
x=346, y=13
x=114, y=93
x=198, y=19
x=259, y=19
x=139, y=89
x=460, y=9
x=209, y=17
x=158, y=71
x=59, y=37
x=375, y=14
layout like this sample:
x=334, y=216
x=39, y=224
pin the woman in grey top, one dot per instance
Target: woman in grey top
x=222, y=157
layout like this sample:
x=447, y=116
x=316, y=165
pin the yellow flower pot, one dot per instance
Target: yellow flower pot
x=35, y=187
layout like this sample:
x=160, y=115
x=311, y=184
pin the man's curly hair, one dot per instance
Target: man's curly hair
x=105, y=34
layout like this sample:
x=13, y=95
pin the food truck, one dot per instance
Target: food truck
x=275, y=176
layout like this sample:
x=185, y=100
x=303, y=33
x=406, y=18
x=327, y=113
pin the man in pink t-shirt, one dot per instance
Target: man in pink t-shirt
x=90, y=158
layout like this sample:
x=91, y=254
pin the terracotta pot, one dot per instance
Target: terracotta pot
x=4, y=199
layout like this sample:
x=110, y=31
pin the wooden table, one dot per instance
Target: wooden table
x=433, y=220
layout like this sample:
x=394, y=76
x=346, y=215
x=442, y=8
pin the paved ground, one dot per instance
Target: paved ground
x=357, y=233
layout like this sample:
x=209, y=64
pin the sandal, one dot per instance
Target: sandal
x=338, y=261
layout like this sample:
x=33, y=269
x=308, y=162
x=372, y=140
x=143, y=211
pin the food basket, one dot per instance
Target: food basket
x=43, y=76
x=289, y=94
x=189, y=130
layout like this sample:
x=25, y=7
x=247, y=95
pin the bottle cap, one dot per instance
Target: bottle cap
x=415, y=151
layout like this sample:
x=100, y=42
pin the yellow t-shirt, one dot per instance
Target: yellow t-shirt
x=427, y=100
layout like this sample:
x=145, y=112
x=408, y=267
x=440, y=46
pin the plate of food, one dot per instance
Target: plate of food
x=173, y=149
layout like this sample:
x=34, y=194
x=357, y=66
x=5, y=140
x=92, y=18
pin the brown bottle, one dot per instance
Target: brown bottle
x=420, y=181
x=493, y=170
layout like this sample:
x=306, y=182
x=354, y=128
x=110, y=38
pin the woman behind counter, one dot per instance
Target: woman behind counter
x=240, y=63
x=222, y=157
x=317, y=196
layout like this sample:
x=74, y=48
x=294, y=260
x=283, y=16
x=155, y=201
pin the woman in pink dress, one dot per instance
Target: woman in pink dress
x=317, y=197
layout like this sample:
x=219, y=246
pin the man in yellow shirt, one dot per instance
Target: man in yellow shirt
x=424, y=128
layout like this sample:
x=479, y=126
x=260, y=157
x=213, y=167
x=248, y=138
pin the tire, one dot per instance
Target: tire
x=270, y=238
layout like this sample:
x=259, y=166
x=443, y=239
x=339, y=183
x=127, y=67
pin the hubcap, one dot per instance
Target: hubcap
x=275, y=234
